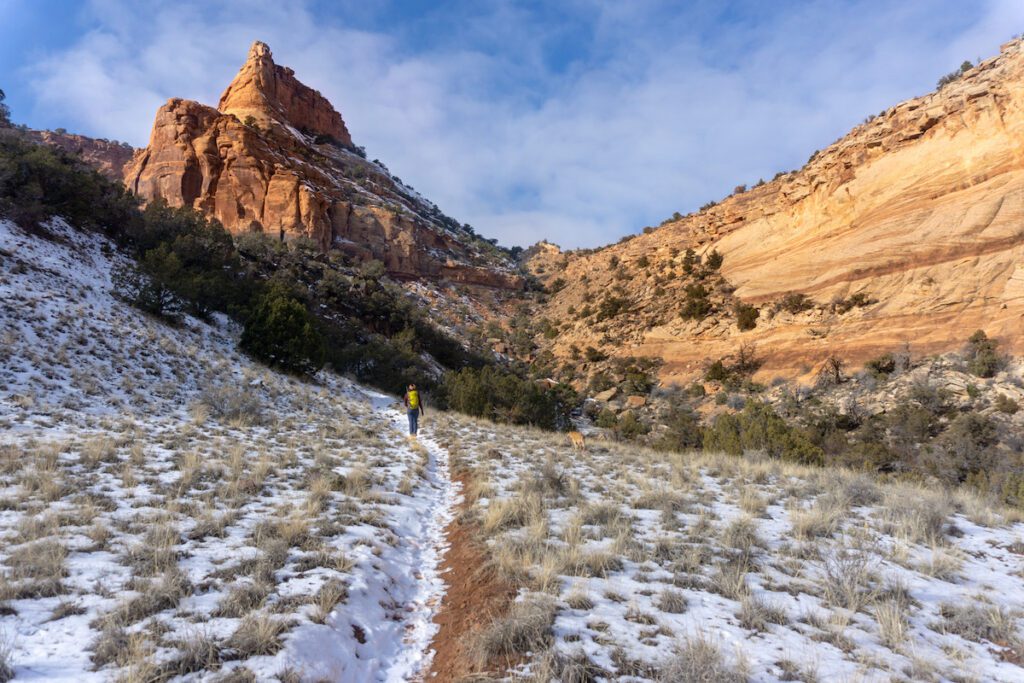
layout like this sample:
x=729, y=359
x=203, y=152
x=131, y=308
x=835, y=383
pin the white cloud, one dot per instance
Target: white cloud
x=657, y=114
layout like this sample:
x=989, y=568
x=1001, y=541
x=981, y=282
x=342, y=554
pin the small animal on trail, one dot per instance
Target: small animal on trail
x=577, y=441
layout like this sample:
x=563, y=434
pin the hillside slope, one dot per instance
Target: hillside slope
x=907, y=230
x=171, y=507
x=172, y=510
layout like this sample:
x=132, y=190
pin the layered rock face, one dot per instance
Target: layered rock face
x=107, y=157
x=291, y=171
x=920, y=211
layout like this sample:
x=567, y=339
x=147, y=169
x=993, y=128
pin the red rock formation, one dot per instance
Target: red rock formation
x=269, y=176
x=107, y=157
x=269, y=92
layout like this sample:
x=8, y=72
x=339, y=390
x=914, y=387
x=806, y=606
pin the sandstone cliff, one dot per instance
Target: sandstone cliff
x=106, y=156
x=276, y=157
x=916, y=215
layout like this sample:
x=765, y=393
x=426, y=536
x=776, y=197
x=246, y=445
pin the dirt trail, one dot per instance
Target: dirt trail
x=475, y=596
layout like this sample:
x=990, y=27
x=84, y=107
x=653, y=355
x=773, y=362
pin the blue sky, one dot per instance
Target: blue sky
x=578, y=121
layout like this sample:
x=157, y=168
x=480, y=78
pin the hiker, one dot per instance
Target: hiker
x=414, y=406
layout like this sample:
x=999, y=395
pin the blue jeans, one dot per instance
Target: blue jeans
x=414, y=421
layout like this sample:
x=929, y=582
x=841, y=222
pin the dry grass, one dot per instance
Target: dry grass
x=40, y=565
x=672, y=601
x=915, y=515
x=258, y=634
x=944, y=564
x=820, y=520
x=6, y=657
x=892, y=622
x=199, y=651
x=978, y=622
x=741, y=534
x=242, y=599
x=848, y=579
x=157, y=552
x=579, y=599
x=756, y=613
x=508, y=513
x=154, y=597
x=526, y=628
x=698, y=659
x=330, y=595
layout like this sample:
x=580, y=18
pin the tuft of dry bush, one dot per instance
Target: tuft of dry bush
x=698, y=659
x=526, y=628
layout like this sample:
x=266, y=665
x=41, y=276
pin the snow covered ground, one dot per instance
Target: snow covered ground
x=672, y=567
x=170, y=510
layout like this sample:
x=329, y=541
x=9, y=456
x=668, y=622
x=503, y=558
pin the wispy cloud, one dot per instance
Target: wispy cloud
x=580, y=125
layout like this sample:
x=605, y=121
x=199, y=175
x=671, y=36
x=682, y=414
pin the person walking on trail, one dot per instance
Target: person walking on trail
x=414, y=406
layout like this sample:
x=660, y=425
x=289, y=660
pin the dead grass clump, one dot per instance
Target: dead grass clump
x=892, y=622
x=209, y=525
x=330, y=595
x=752, y=502
x=698, y=659
x=820, y=520
x=6, y=657
x=154, y=597
x=549, y=482
x=357, y=482
x=156, y=553
x=945, y=565
x=672, y=601
x=600, y=514
x=508, y=513
x=293, y=530
x=595, y=563
x=660, y=498
x=573, y=668
x=98, y=450
x=110, y=646
x=34, y=527
x=258, y=634
x=741, y=534
x=233, y=404
x=730, y=580
x=861, y=490
x=237, y=675
x=199, y=651
x=579, y=599
x=275, y=554
x=242, y=599
x=756, y=613
x=915, y=515
x=978, y=623
x=42, y=565
x=849, y=578
x=526, y=628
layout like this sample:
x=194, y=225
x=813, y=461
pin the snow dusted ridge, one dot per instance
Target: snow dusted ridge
x=671, y=567
x=171, y=510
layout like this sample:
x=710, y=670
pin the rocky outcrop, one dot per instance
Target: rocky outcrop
x=271, y=93
x=290, y=171
x=919, y=210
x=106, y=156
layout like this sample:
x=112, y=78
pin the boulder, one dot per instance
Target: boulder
x=606, y=395
x=636, y=401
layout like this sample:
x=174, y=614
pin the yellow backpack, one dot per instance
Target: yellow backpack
x=414, y=399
